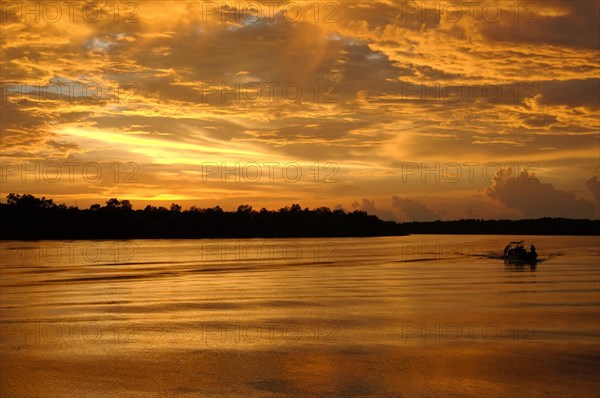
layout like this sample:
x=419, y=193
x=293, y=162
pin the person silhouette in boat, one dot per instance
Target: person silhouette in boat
x=532, y=252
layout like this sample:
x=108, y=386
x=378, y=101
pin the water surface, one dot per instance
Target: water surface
x=358, y=317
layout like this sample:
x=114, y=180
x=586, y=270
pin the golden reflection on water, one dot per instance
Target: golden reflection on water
x=399, y=316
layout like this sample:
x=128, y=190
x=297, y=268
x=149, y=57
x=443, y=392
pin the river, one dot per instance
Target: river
x=412, y=316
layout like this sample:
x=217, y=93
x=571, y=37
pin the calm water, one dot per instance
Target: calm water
x=418, y=316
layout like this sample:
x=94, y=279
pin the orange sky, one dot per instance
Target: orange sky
x=386, y=106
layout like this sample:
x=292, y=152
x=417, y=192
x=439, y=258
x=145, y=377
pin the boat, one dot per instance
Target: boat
x=515, y=252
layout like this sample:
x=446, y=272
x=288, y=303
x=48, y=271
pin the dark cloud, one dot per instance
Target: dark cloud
x=369, y=206
x=594, y=186
x=535, y=199
x=573, y=93
x=414, y=211
x=555, y=22
x=411, y=209
x=539, y=120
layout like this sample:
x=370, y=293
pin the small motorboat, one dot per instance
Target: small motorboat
x=515, y=253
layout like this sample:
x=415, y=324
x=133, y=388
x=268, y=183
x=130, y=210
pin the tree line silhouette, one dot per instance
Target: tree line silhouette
x=25, y=217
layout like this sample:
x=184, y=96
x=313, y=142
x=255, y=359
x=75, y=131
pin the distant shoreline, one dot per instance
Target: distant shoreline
x=25, y=217
x=5, y=239
x=108, y=238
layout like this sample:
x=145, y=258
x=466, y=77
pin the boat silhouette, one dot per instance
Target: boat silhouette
x=515, y=253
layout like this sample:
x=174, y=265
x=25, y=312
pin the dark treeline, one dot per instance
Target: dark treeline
x=27, y=217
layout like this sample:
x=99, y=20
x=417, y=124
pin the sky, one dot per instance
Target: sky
x=407, y=110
